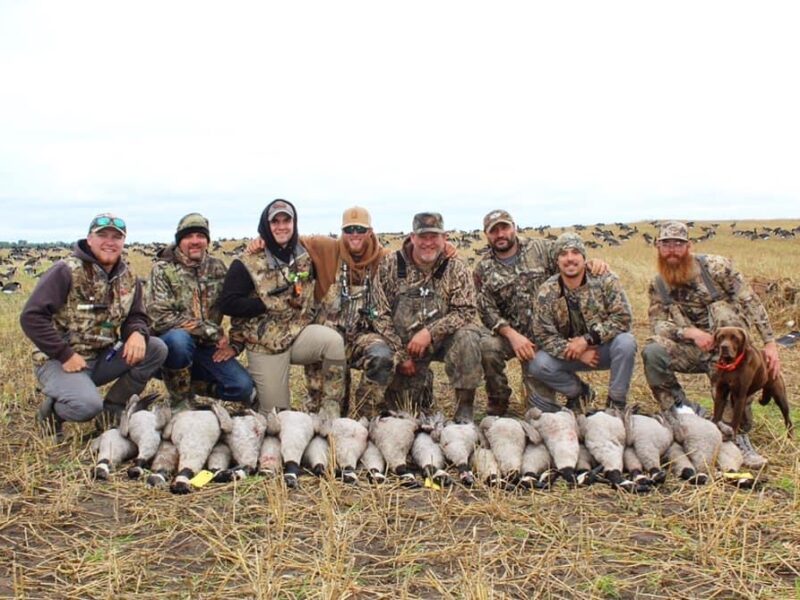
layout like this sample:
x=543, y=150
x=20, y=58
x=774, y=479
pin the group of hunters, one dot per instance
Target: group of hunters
x=335, y=304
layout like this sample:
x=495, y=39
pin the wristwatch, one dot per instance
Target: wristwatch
x=588, y=338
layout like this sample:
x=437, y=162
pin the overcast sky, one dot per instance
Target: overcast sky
x=561, y=112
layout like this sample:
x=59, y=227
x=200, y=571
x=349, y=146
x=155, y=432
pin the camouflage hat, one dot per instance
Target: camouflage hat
x=495, y=217
x=569, y=240
x=278, y=207
x=356, y=216
x=192, y=223
x=673, y=230
x=107, y=221
x=428, y=222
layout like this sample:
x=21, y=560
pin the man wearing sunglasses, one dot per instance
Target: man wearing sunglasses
x=184, y=286
x=690, y=297
x=87, y=318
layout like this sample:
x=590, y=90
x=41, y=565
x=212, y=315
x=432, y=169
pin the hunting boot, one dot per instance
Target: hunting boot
x=369, y=398
x=680, y=403
x=334, y=383
x=465, y=404
x=752, y=459
x=496, y=407
x=585, y=399
x=613, y=403
x=115, y=401
x=179, y=386
x=49, y=422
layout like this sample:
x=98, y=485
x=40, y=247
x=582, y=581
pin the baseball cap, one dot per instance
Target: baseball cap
x=428, y=222
x=278, y=207
x=673, y=230
x=107, y=221
x=356, y=216
x=495, y=217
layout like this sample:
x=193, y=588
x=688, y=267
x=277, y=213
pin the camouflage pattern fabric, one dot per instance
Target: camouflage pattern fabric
x=95, y=308
x=348, y=305
x=601, y=301
x=413, y=394
x=369, y=394
x=288, y=295
x=443, y=305
x=180, y=292
x=694, y=305
x=507, y=293
x=179, y=385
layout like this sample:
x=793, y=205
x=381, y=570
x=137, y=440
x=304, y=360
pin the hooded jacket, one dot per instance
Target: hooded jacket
x=79, y=308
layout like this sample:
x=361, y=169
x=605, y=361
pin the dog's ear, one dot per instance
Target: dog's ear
x=743, y=336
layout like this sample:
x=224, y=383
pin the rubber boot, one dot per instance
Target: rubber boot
x=752, y=459
x=115, y=401
x=465, y=405
x=49, y=422
x=334, y=384
x=496, y=407
x=179, y=386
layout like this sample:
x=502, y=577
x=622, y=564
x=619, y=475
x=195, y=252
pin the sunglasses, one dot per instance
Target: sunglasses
x=355, y=229
x=108, y=222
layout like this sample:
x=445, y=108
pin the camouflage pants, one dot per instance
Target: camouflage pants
x=368, y=353
x=664, y=357
x=495, y=352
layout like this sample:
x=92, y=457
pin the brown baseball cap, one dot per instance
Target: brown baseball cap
x=495, y=217
x=280, y=207
x=356, y=216
x=428, y=222
x=673, y=230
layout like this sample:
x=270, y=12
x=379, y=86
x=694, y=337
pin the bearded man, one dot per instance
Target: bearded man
x=691, y=296
x=507, y=280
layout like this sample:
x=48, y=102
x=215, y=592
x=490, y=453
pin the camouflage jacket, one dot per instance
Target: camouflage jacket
x=601, y=302
x=441, y=300
x=691, y=304
x=180, y=292
x=86, y=310
x=349, y=305
x=287, y=292
x=507, y=293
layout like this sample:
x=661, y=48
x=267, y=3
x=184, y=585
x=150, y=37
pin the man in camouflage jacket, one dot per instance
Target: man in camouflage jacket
x=689, y=298
x=426, y=311
x=87, y=318
x=185, y=283
x=582, y=323
x=507, y=280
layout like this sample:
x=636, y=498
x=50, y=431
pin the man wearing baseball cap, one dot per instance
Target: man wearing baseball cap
x=582, y=323
x=185, y=283
x=691, y=296
x=427, y=311
x=507, y=280
x=87, y=318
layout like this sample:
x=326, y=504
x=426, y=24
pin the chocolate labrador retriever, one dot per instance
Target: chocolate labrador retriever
x=740, y=373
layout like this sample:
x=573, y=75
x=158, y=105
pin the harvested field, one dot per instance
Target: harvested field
x=63, y=535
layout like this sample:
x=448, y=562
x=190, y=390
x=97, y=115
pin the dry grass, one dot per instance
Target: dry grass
x=63, y=535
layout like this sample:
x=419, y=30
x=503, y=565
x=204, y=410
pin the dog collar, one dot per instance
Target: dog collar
x=732, y=366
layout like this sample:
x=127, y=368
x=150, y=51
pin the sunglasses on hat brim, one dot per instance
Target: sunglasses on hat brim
x=100, y=222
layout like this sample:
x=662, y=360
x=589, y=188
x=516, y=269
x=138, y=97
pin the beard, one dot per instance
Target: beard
x=680, y=273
